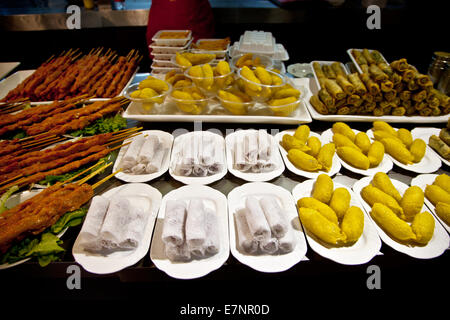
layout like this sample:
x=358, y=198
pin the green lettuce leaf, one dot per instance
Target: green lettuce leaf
x=5, y=196
x=102, y=125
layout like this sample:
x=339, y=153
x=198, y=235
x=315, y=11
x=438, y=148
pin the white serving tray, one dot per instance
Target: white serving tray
x=12, y=81
x=250, y=176
x=335, y=167
x=7, y=67
x=434, y=248
x=175, y=42
x=166, y=139
x=357, y=66
x=429, y=163
x=362, y=251
x=425, y=134
x=313, y=88
x=422, y=181
x=266, y=262
x=177, y=146
x=168, y=112
x=385, y=166
x=195, y=268
x=118, y=260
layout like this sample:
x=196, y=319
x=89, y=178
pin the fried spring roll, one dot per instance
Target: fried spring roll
x=346, y=85
x=419, y=96
x=405, y=95
x=326, y=98
x=329, y=73
x=396, y=78
x=371, y=85
x=387, y=85
x=408, y=75
x=440, y=146
x=318, y=105
x=368, y=56
x=318, y=70
x=337, y=68
x=400, y=65
x=360, y=88
x=353, y=99
x=334, y=89
x=390, y=95
x=377, y=73
x=359, y=57
x=444, y=134
x=376, y=55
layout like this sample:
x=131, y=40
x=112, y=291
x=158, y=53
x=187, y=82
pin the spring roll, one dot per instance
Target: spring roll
x=386, y=68
x=251, y=146
x=387, y=85
x=286, y=244
x=130, y=157
x=134, y=233
x=408, y=75
x=207, y=150
x=156, y=163
x=326, y=98
x=334, y=89
x=177, y=253
x=275, y=216
x=148, y=149
x=115, y=222
x=390, y=95
x=212, y=241
x=346, y=85
x=444, y=134
x=338, y=70
x=396, y=78
x=419, y=96
x=367, y=55
x=257, y=223
x=359, y=57
x=377, y=74
x=218, y=161
x=245, y=239
x=195, y=224
x=376, y=55
x=400, y=65
x=181, y=167
x=371, y=85
x=174, y=221
x=240, y=163
x=138, y=168
x=318, y=105
x=360, y=88
x=264, y=145
x=199, y=170
x=318, y=70
x=354, y=99
x=89, y=234
x=269, y=245
x=329, y=73
x=405, y=95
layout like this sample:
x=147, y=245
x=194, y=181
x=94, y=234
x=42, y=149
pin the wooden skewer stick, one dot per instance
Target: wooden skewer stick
x=38, y=140
x=48, y=142
x=93, y=173
x=121, y=139
x=11, y=179
x=9, y=185
x=127, y=130
x=82, y=172
x=97, y=184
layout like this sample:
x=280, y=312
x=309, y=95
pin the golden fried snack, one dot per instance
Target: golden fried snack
x=325, y=156
x=436, y=194
x=423, y=227
x=343, y=141
x=323, y=188
x=397, y=150
x=375, y=153
x=322, y=208
x=340, y=201
x=343, y=128
x=362, y=141
x=373, y=195
x=417, y=149
x=382, y=181
x=289, y=142
x=405, y=136
x=302, y=133
x=314, y=144
x=443, y=211
x=303, y=160
x=443, y=181
x=353, y=224
x=321, y=227
x=354, y=157
x=412, y=202
x=391, y=223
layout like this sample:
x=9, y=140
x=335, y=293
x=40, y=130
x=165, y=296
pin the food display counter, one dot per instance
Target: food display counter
x=225, y=171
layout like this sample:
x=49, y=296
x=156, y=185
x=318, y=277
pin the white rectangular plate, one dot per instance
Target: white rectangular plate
x=213, y=199
x=7, y=67
x=251, y=176
x=169, y=112
x=118, y=260
x=434, y=248
x=266, y=262
x=425, y=134
x=357, y=66
x=367, y=118
x=362, y=251
x=421, y=181
x=166, y=139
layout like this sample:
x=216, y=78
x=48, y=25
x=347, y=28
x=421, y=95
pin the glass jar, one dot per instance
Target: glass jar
x=439, y=63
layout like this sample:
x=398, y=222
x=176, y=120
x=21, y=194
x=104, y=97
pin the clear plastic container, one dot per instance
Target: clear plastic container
x=157, y=49
x=173, y=60
x=265, y=61
x=190, y=106
x=220, y=54
x=173, y=42
x=257, y=41
x=235, y=107
x=266, y=91
x=218, y=82
x=146, y=104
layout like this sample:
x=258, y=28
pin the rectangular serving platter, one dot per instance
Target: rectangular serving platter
x=300, y=115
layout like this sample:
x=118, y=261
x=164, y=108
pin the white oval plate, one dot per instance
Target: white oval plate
x=362, y=251
x=429, y=163
x=195, y=268
x=12, y=202
x=434, y=248
x=425, y=134
x=250, y=176
x=385, y=165
x=118, y=260
x=421, y=181
x=335, y=167
x=166, y=139
x=266, y=262
x=177, y=146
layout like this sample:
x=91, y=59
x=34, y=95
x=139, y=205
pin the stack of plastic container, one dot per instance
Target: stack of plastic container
x=262, y=43
x=165, y=44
